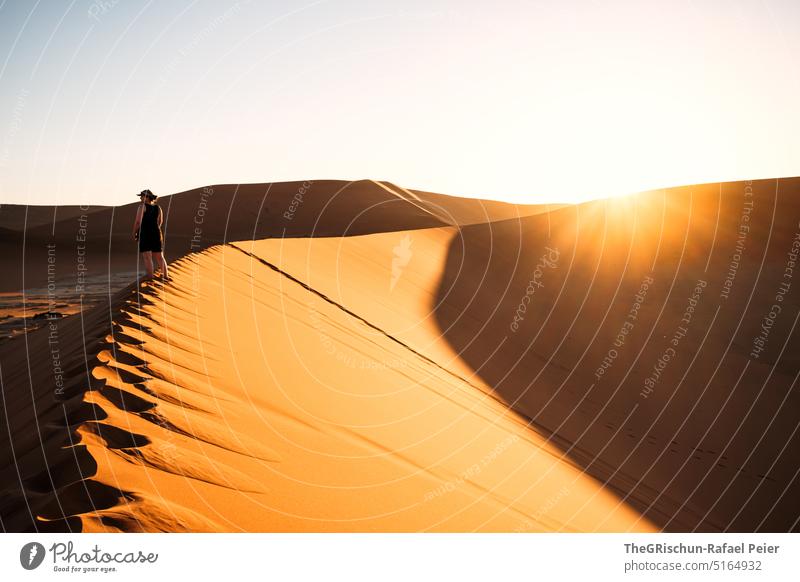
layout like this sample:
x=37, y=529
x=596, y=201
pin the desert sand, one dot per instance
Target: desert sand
x=335, y=356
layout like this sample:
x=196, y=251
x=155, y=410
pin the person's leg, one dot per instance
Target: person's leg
x=147, y=257
x=162, y=265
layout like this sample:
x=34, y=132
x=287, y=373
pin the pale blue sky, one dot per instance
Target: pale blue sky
x=527, y=101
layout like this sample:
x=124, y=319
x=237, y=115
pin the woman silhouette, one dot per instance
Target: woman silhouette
x=147, y=230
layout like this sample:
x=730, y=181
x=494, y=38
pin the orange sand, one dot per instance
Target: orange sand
x=374, y=382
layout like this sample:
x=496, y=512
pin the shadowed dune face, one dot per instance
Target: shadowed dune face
x=653, y=340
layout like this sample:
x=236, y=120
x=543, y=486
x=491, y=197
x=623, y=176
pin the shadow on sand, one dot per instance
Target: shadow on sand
x=623, y=331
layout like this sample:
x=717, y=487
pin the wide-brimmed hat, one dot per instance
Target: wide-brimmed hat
x=148, y=194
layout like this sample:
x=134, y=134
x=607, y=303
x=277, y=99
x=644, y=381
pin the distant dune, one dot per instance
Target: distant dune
x=89, y=250
x=336, y=356
x=200, y=218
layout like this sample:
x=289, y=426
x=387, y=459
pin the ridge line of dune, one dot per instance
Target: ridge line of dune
x=414, y=200
x=366, y=322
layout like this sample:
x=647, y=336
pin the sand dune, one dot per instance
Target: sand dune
x=200, y=218
x=635, y=355
x=291, y=413
x=20, y=217
x=89, y=251
x=448, y=369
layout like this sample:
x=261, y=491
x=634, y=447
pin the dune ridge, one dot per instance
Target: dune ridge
x=169, y=440
x=449, y=376
x=86, y=253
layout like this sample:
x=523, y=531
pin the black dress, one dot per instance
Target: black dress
x=149, y=231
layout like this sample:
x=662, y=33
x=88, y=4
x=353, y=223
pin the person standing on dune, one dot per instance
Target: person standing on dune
x=147, y=230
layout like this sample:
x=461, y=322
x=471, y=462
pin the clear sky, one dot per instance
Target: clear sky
x=516, y=100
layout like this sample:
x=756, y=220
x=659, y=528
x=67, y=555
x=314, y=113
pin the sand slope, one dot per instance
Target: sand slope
x=237, y=398
x=634, y=351
x=455, y=376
